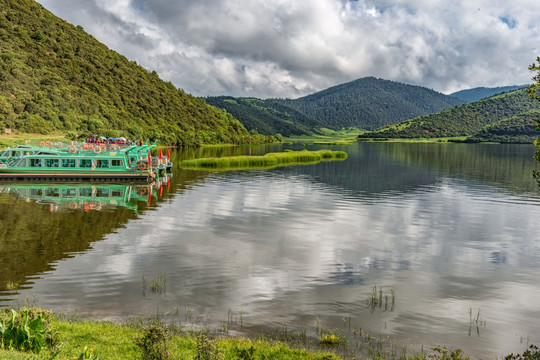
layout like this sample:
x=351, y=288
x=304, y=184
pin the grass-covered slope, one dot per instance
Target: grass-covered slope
x=370, y=103
x=56, y=77
x=266, y=116
x=522, y=128
x=465, y=120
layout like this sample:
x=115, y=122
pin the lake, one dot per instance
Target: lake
x=448, y=236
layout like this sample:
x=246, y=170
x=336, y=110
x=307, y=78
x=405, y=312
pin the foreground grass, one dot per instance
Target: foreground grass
x=34, y=333
x=81, y=339
x=266, y=161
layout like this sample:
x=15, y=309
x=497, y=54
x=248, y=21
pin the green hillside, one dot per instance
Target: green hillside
x=522, y=128
x=464, y=120
x=54, y=77
x=266, y=116
x=478, y=93
x=369, y=103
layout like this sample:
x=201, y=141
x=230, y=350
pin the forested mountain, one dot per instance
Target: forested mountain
x=266, y=116
x=478, y=93
x=370, y=103
x=366, y=103
x=56, y=77
x=511, y=115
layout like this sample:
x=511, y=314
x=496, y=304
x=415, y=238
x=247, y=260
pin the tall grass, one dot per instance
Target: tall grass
x=267, y=160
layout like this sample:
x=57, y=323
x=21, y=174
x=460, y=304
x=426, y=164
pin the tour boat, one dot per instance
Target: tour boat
x=83, y=161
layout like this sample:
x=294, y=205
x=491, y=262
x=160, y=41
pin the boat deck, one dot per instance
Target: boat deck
x=59, y=176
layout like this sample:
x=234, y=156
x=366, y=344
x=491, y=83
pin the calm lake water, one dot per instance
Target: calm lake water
x=450, y=232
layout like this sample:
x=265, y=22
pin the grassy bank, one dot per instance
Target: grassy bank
x=265, y=161
x=414, y=140
x=33, y=333
x=38, y=334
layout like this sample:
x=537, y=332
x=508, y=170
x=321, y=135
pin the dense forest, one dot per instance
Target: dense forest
x=470, y=119
x=54, y=77
x=266, y=116
x=479, y=93
x=366, y=103
x=370, y=103
x=522, y=128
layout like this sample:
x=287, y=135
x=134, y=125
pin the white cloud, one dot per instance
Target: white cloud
x=291, y=48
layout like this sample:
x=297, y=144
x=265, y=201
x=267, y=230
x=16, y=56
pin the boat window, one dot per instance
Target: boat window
x=52, y=162
x=69, y=193
x=117, y=193
x=102, y=163
x=117, y=163
x=52, y=192
x=85, y=192
x=36, y=192
x=5, y=153
x=85, y=163
x=69, y=163
x=35, y=162
x=102, y=192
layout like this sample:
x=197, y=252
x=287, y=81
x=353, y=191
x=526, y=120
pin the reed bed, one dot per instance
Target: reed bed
x=265, y=161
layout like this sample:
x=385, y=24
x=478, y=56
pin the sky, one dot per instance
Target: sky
x=292, y=48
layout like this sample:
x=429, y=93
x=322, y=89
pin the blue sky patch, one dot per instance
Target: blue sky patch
x=508, y=21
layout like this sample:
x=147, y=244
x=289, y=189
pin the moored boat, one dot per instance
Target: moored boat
x=81, y=161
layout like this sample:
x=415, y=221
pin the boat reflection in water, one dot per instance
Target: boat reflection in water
x=87, y=196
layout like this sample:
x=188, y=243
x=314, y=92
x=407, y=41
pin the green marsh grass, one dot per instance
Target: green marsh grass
x=266, y=161
x=377, y=298
x=157, y=285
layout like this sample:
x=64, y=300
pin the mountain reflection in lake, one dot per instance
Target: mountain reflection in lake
x=451, y=230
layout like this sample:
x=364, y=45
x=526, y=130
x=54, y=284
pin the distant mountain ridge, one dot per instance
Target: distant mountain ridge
x=508, y=117
x=366, y=103
x=470, y=95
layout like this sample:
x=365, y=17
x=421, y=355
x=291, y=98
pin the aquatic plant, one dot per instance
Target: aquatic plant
x=532, y=353
x=11, y=286
x=267, y=160
x=376, y=298
x=475, y=322
x=330, y=339
x=444, y=354
x=158, y=284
